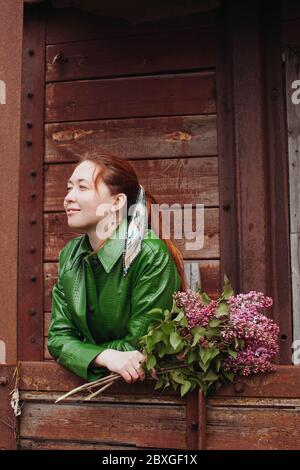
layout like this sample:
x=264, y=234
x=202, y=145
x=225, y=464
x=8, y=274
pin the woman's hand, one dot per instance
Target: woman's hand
x=125, y=363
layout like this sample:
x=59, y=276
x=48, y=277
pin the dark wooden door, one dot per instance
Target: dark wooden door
x=147, y=93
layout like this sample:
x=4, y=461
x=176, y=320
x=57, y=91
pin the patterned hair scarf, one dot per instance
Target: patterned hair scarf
x=135, y=231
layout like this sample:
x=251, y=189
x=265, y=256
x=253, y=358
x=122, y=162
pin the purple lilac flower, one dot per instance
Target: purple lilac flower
x=195, y=310
x=260, y=334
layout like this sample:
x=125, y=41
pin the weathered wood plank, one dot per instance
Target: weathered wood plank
x=241, y=402
x=149, y=54
x=38, y=376
x=30, y=254
x=164, y=137
x=158, y=399
x=68, y=24
x=57, y=234
x=35, y=444
x=279, y=274
x=8, y=423
x=180, y=181
x=295, y=258
x=229, y=245
x=164, y=95
x=293, y=132
x=284, y=383
x=146, y=426
x=252, y=428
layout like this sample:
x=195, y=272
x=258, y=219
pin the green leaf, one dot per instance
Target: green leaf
x=197, y=332
x=157, y=336
x=183, y=322
x=179, y=317
x=214, y=352
x=227, y=289
x=222, y=309
x=229, y=375
x=192, y=356
x=167, y=328
x=177, y=376
x=203, y=366
x=218, y=365
x=159, y=383
x=175, y=340
x=167, y=315
x=213, y=323
x=149, y=345
x=204, y=355
x=185, y=387
x=156, y=313
x=211, y=376
x=161, y=350
x=205, y=298
x=232, y=353
x=151, y=362
x=212, y=332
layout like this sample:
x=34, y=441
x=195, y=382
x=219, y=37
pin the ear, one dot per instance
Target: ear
x=120, y=200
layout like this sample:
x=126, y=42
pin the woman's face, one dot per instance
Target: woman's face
x=82, y=199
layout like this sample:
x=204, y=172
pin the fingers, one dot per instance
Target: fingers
x=132, y=371
x=126, y=376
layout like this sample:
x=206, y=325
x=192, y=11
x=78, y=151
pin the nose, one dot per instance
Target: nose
x=70, y=196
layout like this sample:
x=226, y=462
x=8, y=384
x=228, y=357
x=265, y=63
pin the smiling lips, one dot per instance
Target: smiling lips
x=72, y=210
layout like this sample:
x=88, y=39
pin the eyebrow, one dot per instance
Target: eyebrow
x=79, y=180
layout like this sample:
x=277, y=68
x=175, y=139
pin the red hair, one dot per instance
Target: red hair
x=120, y=177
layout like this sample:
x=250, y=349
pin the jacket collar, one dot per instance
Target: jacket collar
x=111, y=250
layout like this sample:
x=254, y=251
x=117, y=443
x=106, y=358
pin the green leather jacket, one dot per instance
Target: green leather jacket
x=96, y=307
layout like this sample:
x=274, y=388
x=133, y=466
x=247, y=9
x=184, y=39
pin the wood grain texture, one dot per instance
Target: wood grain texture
x=40, y=444
x=169, y=181
x=144, y=426
x=66, y=25
x=30, y=287
x=253, y=427
x=229, y=243
x=164, y=95
x=262, y=414
x=277, y=181
x=8, y=424
x=251, y=176
x=293, y=130
x=149, y=53
x=164, y=137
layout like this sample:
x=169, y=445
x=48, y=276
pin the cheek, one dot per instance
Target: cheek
x=89, y=204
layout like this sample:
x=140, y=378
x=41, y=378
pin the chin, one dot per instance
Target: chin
x=76, y=227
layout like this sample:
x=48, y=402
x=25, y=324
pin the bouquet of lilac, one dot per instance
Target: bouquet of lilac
x=204, y=343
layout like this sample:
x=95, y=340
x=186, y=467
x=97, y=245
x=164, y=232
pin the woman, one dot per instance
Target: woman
x=112, y=276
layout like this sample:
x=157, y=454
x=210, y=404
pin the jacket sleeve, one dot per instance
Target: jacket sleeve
x=157, y=280
x=65, y=342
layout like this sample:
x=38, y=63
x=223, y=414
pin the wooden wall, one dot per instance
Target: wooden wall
x=291, y=43
x=176, y=99
x=176, y=110
x=255, y=413
x=148, y=95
